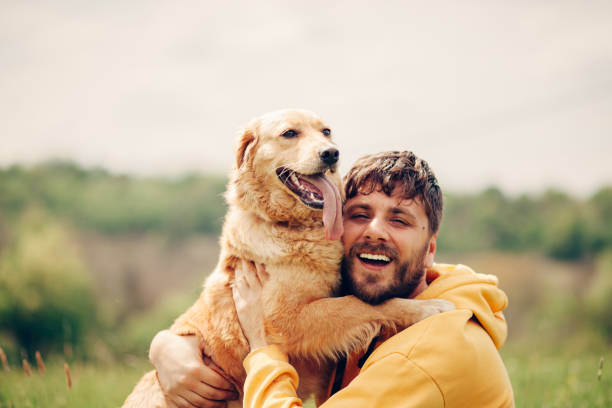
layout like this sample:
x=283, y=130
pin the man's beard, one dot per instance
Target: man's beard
x=406, y=277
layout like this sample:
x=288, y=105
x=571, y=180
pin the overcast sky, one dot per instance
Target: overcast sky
x=512, y=93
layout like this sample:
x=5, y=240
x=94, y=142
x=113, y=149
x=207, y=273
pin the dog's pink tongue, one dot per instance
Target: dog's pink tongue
x=332, y=206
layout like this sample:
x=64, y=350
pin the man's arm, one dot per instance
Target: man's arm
x=183, y=375
x=393, y=381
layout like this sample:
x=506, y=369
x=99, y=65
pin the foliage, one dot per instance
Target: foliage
x=46, y=295
x=560, y=313
x=115, y=204
x=135, y=334
x=599, y=297
x=553, y=223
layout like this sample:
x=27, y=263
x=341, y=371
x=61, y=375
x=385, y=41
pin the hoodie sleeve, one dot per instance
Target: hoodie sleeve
x=271, y=381
x=393, y=381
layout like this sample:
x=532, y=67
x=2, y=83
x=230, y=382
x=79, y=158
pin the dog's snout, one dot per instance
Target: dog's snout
x=329, y=156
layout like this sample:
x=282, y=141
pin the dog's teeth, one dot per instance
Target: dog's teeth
x=375, y=257
x=294, y=179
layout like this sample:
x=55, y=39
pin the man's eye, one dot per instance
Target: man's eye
x=326, y=132
x=359, y=216
x=399, y=221
x=290, y=134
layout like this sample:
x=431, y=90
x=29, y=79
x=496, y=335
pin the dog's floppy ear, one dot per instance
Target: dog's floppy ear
x=246, y=142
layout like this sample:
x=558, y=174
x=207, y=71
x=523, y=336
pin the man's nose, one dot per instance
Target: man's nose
x=375, y=231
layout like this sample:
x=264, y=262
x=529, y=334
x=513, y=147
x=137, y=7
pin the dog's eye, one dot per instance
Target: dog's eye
x=290, y=133
x=326, y=132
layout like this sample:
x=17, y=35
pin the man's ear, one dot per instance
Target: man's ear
x=244, y=148
x=431, y=251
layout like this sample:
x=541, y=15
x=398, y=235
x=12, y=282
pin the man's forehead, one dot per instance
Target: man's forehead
x=396, y=199
x=398, y=192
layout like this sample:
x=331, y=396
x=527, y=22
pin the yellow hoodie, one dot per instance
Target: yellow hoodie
x=446, y=360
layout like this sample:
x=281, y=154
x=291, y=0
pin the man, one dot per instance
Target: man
x=391, y=220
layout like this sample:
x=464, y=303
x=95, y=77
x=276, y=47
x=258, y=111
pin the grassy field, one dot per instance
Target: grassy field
x=539, y=380
x=93, y=386
x=552, y=380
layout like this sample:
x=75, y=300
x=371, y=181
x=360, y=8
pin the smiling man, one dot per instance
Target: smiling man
x=388, y=236
x=391, y=219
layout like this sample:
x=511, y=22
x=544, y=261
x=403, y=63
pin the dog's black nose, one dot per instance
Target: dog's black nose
x=329, y=156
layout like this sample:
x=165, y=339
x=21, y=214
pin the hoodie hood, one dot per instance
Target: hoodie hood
x=473, y=291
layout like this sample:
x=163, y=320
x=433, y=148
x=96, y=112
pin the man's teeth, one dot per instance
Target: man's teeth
x=375, y=257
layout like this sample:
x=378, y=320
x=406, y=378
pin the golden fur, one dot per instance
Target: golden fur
x=268, y=224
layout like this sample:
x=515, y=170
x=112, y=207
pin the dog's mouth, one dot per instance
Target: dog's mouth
x=319, y=192
x=304, y=189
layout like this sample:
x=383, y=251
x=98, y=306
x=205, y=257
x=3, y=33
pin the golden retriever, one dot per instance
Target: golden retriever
x=285, y=211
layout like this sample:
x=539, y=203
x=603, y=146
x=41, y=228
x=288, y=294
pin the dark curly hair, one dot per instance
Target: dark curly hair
x=388, y=170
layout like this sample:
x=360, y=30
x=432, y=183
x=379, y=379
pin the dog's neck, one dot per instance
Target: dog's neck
x=294, y=225
x=265, y=241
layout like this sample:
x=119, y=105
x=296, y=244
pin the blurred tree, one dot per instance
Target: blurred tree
x=566, y=237
x=46, y=295
x=599, y=298
x=553, y=222
x=116, y=204
x=600, y=219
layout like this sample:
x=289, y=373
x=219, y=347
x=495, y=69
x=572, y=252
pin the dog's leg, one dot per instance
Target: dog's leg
x=406, y=312
x=146, y=394
x=330, y=327
x=314, y=377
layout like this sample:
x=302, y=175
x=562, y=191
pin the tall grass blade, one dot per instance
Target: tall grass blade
x=4, y=361
x=40, y=363
x=27, y=368
x=68, y=378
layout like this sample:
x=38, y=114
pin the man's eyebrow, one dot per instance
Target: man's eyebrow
x=358, y=206
x=401, y=211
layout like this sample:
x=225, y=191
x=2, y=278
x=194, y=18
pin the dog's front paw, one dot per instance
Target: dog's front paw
x=435, y=306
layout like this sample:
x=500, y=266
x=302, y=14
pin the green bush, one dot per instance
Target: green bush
x=116, y=204
x=46, y=295
x=599, y=298
x=135, y=334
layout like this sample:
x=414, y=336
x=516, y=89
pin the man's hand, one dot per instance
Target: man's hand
x=247, y=291
x=183, y=375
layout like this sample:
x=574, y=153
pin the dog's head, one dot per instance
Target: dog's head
x=286, y=170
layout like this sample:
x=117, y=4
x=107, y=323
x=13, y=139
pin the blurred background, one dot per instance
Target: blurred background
x=117, y=126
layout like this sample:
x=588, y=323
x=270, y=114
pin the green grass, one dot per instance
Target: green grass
x=540, y=379
x=544, y=379
x=92, y=386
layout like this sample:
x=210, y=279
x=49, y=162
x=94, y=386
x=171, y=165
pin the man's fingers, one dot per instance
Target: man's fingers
x=262, y=275
x=198, y=401
x=171, y=402
x=205, y=391
x=250, y=275
x=181, y=402
x=239, y=271
x=239, y=303
x=211, y=377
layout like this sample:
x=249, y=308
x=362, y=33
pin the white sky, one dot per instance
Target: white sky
x=512, y=93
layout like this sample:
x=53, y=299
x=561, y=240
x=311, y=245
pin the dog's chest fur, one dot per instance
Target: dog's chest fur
x=285, y=249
